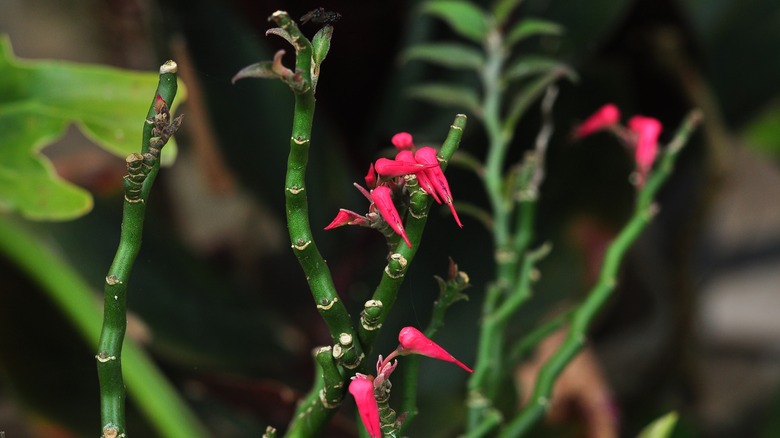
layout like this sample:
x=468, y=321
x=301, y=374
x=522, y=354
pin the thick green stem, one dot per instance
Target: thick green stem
x=109, y=356
x=602, y=290
x=322, y=401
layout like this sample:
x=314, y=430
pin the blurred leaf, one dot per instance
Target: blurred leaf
x=763, y=132
x=531, y=65
x=503, y=8
x=448, y=95
x=446, y=54
x=261, y=70
x=661, y=427
x=465, y=18
x=530, y=27
x=38, y=100
x=530, y=92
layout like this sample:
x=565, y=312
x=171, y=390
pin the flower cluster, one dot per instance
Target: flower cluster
x=641, y=135
x=367, y=389
x=387, y=178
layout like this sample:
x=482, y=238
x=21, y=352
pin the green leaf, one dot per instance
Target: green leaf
x=530, y=92
x=446, y=54
x=503, y=8
x=531, y=65
x=661, y=427
x=261, y=70
x=465, y=18
x=762, y=133
x=463, y=98
x=531, y=27
x=38, y=101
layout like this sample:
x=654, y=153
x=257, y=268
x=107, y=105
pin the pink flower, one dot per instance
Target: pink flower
x=403, y=141
x=387, y=168
x=370, y=177
x=647, y=130
x=347, y=217
x=427, y=155
x=382, y=197
x=422, y=178
x=605, y=117
x=362, y=389
x=413, y=341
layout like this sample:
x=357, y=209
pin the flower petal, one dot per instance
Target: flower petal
x=347, y=217
x=387, y=168
x=604, y=117
x=422, y=178
x=403, y=141
x=413, y=341
x=382, y=197
x=647, y=129
x=427, y=155
x=362, y=389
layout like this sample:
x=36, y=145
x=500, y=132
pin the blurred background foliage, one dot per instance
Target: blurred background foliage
x=220, y=302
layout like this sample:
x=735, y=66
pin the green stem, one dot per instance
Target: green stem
x=154, y=395
x=109, y=356
x=602, y=290
x=323, y=400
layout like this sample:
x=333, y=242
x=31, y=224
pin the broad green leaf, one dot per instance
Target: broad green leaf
x=503, y=8
x=530, y=27
x=763, y=132
x=38, y=101
x=465, y=18
x=446, y=54
x=661, y=427
x=463, y=98
x=531, y=65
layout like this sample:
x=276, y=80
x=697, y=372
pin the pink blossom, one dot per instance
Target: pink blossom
x=427, y=155
x=362, y=389
x=413, y=341
x=347, y=217
x=647, y=130
x=605, y=117
x=382, y=197
x=422, y=178
x=387, y=168
x=403, y=141
x=370, y=177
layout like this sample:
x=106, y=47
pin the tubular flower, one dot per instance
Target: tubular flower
x=347, y=217
x=647, y=130
x=413, y=341
x=427, y=155
x=387, y=168
x=382, y=197
x=422, y=178
x=362, y=389
x=370, y=177
x=403, y=141
x=605, y=117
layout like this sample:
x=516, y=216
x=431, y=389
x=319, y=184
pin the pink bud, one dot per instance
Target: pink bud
x=647, y=130
x=362, y=389
x=389, y=168
x=382, y=197
x=371, y=177
x=427, y=155
x=347, y=217
x=413, y=341
x=403, y=141
x=605, y=117
x=422, y=178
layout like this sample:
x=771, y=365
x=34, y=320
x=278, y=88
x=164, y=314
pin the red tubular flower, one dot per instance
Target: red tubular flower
x=347, y=217
x=362, y=389
x=605, y=117
x=413, y=341
x=647, y=130
x=422, y=178
x=382, y=197
x=370, y=177
x=403, y=141
x=387, y=168
x=427, y=155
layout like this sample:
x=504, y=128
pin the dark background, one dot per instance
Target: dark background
x=223, y=306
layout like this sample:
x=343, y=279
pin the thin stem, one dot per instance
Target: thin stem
x=158, y=400
x=603, y=288
x=109, y=356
